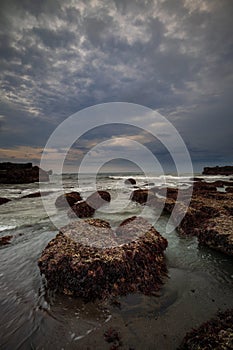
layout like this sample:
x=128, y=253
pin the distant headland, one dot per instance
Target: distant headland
x=19, y=173
x=218, y=170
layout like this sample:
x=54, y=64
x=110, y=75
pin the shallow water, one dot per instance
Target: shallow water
x=199, y=284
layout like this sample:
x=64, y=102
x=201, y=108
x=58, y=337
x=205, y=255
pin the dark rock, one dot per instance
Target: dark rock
x=142, y=196
x=99, y=198
x=197, y=179
x=37, y=194
x=87, y=260
x=68, y=198
x=112, y=336
x=4, y=200
x=229, y=189
x=218, y=170
x=13, y=173
x=5, y=240
x=86, y=209
x=81, y=210
x=216, y=334
x=130, y=181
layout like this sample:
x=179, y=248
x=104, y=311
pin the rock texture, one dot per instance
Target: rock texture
x=68, y=198
x=216, y=334
x=14, y=173
x=218, y=170
x=87, y=259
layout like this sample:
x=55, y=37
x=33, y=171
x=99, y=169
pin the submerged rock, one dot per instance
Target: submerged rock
x=68, y=198
x=216, y=334
x=98, y=198
x=130, y=181
x=88, y=260
x=37, y=194
x=4, y=200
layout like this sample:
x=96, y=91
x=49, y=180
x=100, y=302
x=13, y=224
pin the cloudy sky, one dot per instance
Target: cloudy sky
x=173, y=56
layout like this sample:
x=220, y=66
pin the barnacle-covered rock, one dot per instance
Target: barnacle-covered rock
x=88, y=259
x=68, y=198
x=216, y=334
x=218, y=234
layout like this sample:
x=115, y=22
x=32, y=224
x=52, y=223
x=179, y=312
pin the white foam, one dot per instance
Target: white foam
x=6, y=227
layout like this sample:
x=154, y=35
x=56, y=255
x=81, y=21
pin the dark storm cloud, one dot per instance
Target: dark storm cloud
x=57, y=57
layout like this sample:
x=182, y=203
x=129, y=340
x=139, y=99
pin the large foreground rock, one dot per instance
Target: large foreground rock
x=86, y=259
x=216, y=334
x=16, y=173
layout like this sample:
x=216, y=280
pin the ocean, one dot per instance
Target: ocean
x=199, y=284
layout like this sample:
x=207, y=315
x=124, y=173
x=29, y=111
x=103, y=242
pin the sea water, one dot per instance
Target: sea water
x=199, y=284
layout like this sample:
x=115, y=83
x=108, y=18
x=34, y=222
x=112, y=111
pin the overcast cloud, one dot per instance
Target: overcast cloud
x=174, y=56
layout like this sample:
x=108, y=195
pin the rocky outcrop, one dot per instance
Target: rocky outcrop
x=4, y=200
x=87, y=260
x=68, y=198
x=216, y=334
x=14, y=173
x=130, y=181
x=209, y=215
x=218, y=170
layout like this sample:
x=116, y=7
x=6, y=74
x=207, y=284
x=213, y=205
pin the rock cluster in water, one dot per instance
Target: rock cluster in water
x=86, y=209
x=216, y=334
x=89, y=260
x=17, y=173
x=209, y=215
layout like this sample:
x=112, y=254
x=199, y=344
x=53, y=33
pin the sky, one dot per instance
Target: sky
x=172, y=56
